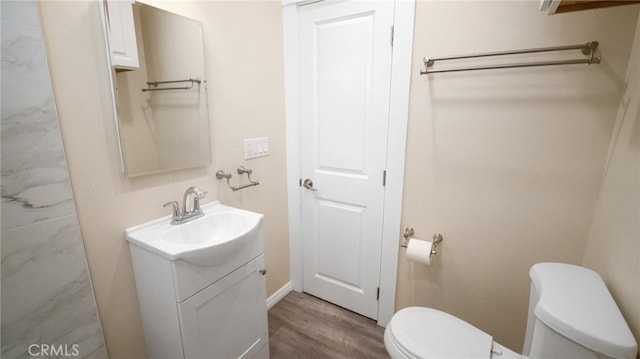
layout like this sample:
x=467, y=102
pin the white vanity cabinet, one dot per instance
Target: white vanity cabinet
x=202, y=295
x=122, y=34
x=235, y=306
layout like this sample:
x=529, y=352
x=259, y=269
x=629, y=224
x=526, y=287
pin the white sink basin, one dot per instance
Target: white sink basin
x=208, y=240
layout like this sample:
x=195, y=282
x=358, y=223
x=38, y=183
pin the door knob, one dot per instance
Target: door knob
x=308, y=184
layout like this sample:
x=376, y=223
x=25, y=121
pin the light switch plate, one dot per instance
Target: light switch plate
x=256, y=147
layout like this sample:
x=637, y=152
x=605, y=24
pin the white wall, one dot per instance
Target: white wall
x=613, y=249
x=506, y=164
x=243, y=46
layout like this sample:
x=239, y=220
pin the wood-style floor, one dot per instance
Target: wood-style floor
x=303, y=326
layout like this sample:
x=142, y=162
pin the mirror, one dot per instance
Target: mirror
x=162, y=115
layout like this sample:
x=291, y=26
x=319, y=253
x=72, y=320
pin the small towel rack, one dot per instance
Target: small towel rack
x=241, y=170
x=153, y=85
x=587, y=49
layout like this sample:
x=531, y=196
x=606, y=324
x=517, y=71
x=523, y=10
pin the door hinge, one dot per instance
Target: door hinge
x=300, y=182
x=384, y=177
x=378, y=294
x=392, y=30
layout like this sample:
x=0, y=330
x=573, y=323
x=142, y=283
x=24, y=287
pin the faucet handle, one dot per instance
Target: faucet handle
x=199, y=193
x=176, y=210
x=172, y=203
x=196, y=200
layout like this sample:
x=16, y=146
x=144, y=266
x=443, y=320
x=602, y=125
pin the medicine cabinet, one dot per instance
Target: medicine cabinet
x=157, y=63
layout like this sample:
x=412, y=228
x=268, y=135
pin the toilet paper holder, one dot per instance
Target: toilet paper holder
x=408, y=232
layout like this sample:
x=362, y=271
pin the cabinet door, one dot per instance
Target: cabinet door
x=228, y=319
x=122, y=34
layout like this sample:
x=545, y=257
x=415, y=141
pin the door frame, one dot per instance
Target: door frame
x=397, y=135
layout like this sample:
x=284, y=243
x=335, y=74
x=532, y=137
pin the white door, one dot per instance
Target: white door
x=345, y=67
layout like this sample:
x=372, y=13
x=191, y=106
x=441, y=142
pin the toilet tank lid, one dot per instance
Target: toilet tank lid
x=575, y=302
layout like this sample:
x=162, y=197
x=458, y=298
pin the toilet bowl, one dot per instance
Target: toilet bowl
x=571, y=315
x=419, y=332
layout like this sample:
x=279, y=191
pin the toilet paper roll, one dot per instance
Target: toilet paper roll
x=419, y=250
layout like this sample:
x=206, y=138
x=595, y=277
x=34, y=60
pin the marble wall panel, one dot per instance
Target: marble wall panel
x=35, y=183
x=46, y=290
x=47, y=298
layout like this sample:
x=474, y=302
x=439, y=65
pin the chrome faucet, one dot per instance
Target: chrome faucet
x=186, y=215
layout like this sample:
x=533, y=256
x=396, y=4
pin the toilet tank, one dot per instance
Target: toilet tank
x=573, y=315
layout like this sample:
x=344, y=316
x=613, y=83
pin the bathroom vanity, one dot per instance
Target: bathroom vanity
x=201, y=285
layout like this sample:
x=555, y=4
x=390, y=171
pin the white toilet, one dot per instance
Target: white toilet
x=571, y=315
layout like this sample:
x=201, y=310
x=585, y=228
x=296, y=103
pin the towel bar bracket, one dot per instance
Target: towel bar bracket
x=241, y=170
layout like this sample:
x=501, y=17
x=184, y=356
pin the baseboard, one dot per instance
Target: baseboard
x=279, y=294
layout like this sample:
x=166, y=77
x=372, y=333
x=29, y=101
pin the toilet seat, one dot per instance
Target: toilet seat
x=419, y=332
